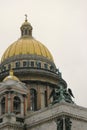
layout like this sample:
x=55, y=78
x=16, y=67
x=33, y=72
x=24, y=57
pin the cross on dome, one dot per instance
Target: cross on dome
x=26, y=17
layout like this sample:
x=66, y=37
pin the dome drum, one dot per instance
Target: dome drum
x=34, y=75
x=27, y=57
x=27, y=62
x=28, y=67
x=37, y=76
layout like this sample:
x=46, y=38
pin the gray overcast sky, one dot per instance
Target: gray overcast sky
x=61, y=25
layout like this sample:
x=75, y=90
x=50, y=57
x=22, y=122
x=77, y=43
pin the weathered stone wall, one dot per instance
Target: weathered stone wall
x=79, y=125
x=50, y=125
x=46, y=119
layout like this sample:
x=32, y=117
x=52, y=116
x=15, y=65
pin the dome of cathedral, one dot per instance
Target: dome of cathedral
x=26, y=45
x=28, y=56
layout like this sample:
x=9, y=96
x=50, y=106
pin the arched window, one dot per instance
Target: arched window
x=3, y=105
x=45, y=98
x=32, y=63
x=9, y=66
x=24, y=63
x=38, y=64
x=46, y=66
x=25, y=31
x=17, y=64
x=17, y=105
x=33, y=99
x=51, y=68
x=30, y=32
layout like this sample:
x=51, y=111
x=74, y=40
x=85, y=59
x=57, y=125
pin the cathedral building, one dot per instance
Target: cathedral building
x=33, y=94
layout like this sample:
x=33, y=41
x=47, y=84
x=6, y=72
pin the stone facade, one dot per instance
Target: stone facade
x=35, y=96
x=47, y=118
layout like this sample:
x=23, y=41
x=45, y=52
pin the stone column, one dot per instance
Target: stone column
x=63, y=123
x=25, y=104
x=38, y=98
x=9, y=102
x=28, y=101
x=6, y=103
x=43, y=99
x=22, y=107
x=48, y=94
x=12, y=101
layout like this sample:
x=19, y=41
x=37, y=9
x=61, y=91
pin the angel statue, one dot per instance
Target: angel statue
x=61, y=94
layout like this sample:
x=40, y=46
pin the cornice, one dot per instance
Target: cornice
x=53, y=112
x=10, y=125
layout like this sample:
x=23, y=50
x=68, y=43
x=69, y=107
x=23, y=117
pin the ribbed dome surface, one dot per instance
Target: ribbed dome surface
x=26, y=45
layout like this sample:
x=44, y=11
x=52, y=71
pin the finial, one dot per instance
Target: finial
x=26, y=17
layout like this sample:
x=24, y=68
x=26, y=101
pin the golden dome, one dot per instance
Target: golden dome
x=11, y=76
x=26, y=45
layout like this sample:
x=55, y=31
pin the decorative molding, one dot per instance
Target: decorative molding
x=53, y=112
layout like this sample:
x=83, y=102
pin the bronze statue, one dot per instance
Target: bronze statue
x=61, y=94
